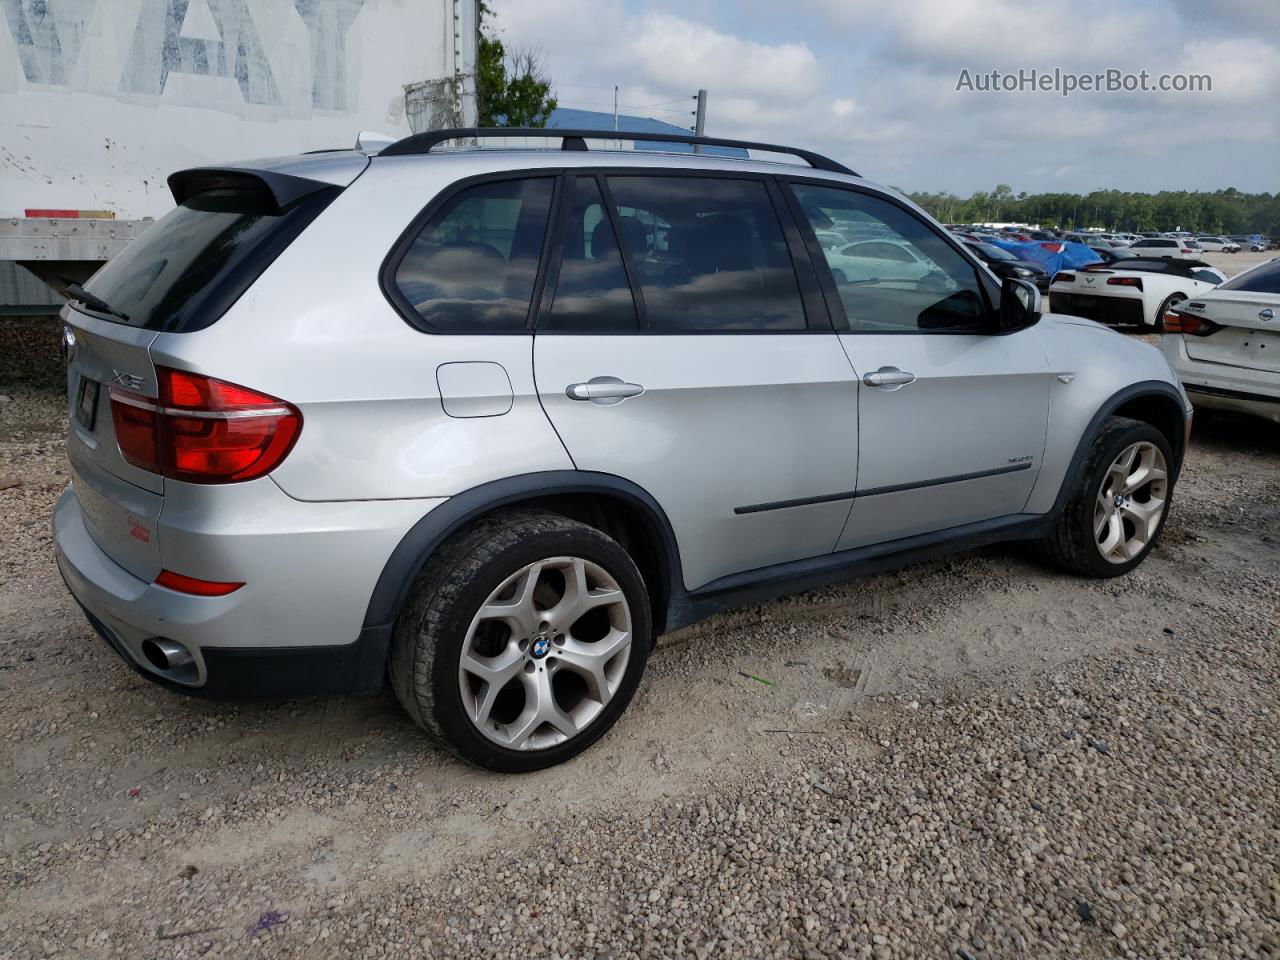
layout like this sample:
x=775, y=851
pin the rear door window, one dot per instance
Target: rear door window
x=188, y=267
x=708, y=254
x=472, y=266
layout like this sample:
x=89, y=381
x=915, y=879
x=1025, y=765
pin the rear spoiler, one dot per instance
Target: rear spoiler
x=267, y=190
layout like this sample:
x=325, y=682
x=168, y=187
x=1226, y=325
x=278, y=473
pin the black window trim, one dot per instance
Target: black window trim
x=990, y=290
x=391, y=262
x=545, y=296
x=629, y=268
x=817, y=318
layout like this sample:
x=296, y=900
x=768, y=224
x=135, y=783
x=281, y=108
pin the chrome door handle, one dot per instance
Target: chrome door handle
x=888, y=378
x=603, y=390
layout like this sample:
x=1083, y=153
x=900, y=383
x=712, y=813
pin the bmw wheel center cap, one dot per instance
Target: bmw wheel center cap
x=540, y=647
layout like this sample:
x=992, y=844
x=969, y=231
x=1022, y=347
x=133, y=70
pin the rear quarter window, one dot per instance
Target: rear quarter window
x=472, y=266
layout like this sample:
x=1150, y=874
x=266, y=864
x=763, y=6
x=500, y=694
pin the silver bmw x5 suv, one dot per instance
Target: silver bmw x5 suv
x=488, y=421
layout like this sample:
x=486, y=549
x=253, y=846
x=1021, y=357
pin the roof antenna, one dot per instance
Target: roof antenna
x=371, y=142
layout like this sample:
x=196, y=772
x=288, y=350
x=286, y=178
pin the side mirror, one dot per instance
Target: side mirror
x=1019, y=305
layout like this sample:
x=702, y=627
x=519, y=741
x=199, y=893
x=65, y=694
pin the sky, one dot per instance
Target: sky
x=873, y=83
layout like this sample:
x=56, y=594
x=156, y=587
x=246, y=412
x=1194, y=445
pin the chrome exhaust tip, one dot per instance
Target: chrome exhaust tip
x=165, y=655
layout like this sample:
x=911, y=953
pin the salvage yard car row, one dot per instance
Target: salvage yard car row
x=1220, y=336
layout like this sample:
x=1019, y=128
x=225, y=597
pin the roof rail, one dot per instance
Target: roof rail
x=576, y=140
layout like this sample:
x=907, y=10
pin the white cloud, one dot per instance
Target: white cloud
x=873, y=84
x=670, y=50
x=1243, y=69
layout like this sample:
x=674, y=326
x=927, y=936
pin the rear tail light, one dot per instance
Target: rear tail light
x=197, y=588
x=1186, y=250
x=1175, y=322
x=203, y=430
x=1125, y=282
x=1064, y=277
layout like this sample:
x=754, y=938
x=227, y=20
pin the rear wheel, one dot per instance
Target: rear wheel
x=523, y=641
x=1169, y=303
x=1118, y=509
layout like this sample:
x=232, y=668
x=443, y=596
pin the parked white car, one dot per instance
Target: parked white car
x=880, y=260
x=830, y=240
x=1140, y=293
x=1225, y=345
x=1217, y=245
x=1172, y=247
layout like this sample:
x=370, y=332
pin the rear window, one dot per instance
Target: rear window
x=1263, y=279
x=994, y=252
x=188, y=268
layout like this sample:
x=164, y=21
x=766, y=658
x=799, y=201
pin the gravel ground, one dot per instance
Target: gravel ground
x=975, y=758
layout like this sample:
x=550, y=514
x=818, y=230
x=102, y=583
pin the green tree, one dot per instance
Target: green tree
x=1223, y=211
x=512, y=87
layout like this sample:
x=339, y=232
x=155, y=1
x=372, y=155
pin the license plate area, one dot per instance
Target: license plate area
x=87, y=403
x=1262, y=349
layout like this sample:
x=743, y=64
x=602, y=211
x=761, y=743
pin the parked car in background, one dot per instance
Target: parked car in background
x=1092, y=240
x=1116, y=253
x=1005, y=264
x=1217, y=245
x=1185, y=249
x=538, y=449
x=1252, y=244
x=1115, y=239
x=830, y=240
x=878, y=261
x=1133, y=292
x=1224, y=345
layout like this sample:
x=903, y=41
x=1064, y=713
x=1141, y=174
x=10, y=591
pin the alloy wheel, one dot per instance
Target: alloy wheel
x=1130, y=502
x=545, y=653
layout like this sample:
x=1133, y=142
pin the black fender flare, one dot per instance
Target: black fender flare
x=425, y=536
x=1146, y=388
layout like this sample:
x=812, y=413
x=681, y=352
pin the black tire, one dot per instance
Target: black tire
x=1171, y=300
x=1071, y=546
x=429, y=634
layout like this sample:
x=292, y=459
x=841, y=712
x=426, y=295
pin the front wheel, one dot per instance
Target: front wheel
x=1120, y=503
x=523, y=641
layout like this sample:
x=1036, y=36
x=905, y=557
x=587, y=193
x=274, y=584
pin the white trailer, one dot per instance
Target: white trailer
x=100, y=100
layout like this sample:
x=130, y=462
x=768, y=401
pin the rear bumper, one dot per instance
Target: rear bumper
x=267, y=673
x=1105, y=309
x=1219, y=386
x=295, y=628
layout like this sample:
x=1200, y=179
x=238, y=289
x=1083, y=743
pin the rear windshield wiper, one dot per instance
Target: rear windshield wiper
x=92, y=301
